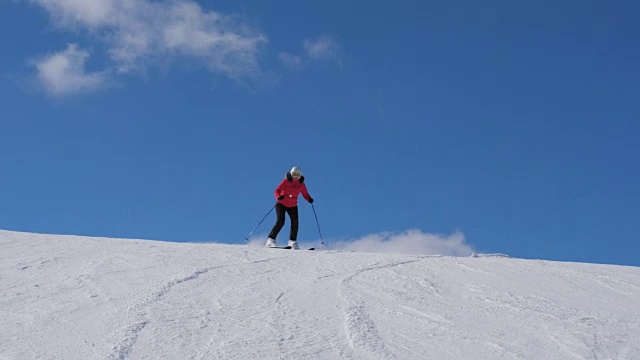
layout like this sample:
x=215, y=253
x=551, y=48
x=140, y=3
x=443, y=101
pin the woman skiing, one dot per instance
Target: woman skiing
x=287, y=201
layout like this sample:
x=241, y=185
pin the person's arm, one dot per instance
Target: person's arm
x=279, y=193
x=305, y=194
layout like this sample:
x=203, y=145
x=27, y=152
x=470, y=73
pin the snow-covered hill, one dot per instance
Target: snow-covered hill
x=65, y=297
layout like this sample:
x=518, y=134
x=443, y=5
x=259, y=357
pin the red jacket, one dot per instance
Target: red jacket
x=291, y=188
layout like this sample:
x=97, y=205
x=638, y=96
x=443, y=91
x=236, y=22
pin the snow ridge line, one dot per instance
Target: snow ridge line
x=122, y=349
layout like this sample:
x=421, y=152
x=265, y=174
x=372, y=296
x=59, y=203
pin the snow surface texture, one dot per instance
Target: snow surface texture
x=66, y=297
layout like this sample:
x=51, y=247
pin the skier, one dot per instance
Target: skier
x=287, y=201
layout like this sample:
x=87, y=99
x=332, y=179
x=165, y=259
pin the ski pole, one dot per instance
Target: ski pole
x=317, y=223
x=254, y=229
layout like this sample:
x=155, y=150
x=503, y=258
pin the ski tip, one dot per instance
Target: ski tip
x=312, y=248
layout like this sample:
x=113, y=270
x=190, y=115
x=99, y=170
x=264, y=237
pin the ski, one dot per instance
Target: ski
x=287, y=247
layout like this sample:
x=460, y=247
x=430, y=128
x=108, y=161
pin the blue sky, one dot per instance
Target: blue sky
x=513, y=127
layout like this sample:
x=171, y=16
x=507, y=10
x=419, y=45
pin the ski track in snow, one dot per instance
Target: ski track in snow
x=86, y=298
x=123, y=348
x=141, y=310
x=361, y=330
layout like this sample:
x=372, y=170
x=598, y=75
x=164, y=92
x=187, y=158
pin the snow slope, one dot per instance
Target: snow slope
x=65, y=297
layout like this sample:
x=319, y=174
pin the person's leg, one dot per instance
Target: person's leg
x=280, y=210
x=293, y=216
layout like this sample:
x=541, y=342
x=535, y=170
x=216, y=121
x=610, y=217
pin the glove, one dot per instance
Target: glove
x=280, y=197
x=310, y=200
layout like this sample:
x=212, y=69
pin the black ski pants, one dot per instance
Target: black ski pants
x=293, y=216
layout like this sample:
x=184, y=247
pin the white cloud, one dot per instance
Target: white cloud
x=90, y=13
x=409, y=242
x=322, y=48
x=293, y=62
x=139, y=32
x=63, y=73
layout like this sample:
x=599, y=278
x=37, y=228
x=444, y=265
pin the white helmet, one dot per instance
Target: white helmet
x=296, y=170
